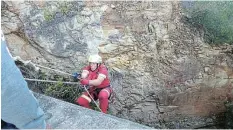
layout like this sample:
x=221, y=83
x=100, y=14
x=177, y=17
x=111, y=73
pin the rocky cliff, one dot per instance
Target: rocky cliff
x=162, y=72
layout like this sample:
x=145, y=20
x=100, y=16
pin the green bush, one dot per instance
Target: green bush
x=215, y=17
x=62, y=91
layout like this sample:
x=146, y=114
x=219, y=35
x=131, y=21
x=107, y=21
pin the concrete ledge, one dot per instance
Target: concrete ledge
x=64, y=115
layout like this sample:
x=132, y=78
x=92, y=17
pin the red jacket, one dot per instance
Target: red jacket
x=94, y=75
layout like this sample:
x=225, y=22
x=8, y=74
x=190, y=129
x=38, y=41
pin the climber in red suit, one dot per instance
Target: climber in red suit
x=96, y=76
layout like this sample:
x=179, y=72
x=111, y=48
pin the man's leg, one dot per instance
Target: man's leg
x=103, y=99
x=84, y=100
x=5, y=125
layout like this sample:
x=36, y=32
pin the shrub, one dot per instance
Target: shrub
x=215, y=17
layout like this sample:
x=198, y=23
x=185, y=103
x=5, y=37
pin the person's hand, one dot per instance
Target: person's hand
x=84, y=82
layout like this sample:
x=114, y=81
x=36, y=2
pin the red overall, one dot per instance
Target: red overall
x=101, y=92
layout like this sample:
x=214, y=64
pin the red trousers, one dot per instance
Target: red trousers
x=103, y=96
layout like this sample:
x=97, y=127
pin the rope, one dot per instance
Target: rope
x=52, y=69
x=92, y=98
x=50, y=81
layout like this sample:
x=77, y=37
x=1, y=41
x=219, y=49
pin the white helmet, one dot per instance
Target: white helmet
x=95, y=59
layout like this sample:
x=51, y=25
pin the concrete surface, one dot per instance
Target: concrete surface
x=64, y=115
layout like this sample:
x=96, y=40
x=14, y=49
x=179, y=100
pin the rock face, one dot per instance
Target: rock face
x=229, y=116
x=162, y=72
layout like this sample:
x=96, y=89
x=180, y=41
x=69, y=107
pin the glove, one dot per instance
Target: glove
x=75, y=75
x=84, y=82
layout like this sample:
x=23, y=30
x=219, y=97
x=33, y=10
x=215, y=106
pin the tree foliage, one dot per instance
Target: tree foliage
x=215, y=17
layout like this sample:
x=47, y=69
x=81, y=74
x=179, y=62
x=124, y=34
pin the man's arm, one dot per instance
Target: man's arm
x=101, y=76
x=19, y=106
x=96, y=82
